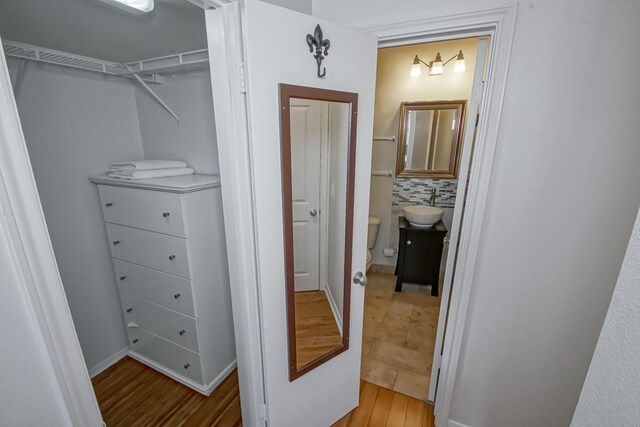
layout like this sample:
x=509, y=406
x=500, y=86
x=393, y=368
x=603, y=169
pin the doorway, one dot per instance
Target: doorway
x=415, y=124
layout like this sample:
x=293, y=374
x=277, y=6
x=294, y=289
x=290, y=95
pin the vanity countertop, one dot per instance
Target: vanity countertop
x=438, y=226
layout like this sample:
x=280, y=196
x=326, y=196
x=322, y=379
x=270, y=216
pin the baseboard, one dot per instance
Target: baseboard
x=205, y=390
x=452, y=423
x=107, y=363
x=334, y=308
x=384, y=269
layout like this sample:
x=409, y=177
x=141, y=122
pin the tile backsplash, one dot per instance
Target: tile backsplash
x=407, y=191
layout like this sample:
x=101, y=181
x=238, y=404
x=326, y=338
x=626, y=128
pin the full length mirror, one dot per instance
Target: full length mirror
x=318, y=161
x=429, y=139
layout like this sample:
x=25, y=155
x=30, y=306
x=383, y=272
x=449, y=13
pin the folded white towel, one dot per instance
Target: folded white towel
x=143, y=165
x=146, y=174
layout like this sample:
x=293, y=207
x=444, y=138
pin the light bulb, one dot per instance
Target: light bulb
x=460, y=65
x=416, y=70
x=437, y=66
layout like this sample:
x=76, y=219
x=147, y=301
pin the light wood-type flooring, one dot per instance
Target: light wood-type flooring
x=398, y=336
x=316, y=329
x=132, y=394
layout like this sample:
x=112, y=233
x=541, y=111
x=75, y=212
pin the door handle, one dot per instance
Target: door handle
x=445, y=240
x=360, y=279
x=313, y=212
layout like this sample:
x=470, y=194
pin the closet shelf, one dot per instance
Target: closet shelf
x=150, y=70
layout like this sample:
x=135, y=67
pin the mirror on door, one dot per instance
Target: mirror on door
x=318, y=165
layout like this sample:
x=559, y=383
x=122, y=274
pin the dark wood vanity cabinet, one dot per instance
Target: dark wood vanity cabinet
x=419, y=254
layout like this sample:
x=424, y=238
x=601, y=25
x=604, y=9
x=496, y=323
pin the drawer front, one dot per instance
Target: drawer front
x=160, y=321
x=149, y=249
x=152, y=285
x=148, y=210
x=171, y=356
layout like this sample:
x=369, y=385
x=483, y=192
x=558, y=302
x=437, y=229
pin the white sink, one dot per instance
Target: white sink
x=422, y=216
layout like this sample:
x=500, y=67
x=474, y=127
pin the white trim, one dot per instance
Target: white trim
x=108, y=362
x=29, y=238
x=452, y=423
x=206, y=390
x=498, y=21
x=334, y=307
x=236, y=171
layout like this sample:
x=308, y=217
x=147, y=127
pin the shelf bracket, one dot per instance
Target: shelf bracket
x=17, y=85
x=155, y=96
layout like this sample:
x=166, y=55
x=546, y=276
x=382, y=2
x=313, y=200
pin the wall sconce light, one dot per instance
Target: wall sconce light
x=436, y=67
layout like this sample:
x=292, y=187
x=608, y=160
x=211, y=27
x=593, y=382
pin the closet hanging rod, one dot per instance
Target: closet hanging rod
x=385, y=138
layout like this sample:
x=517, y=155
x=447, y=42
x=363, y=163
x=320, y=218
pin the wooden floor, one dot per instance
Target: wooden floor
x=381, y=407
x=316, y=329
x=131, y=394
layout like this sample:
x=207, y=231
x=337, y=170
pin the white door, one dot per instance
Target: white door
x=463, y=181
x=306, y=142
x=275, y=52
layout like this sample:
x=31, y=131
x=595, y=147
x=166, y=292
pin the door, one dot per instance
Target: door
x=463, y=181
x=306, y=143
x=276, y=52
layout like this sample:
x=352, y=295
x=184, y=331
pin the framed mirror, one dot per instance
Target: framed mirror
x=318, y=143
x=429, y=138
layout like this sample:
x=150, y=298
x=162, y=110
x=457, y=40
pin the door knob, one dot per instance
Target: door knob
x=166, y=214
x=360, y=279
x=313, y=212
x=108, y=204
x=445, y=240
x=408, y=242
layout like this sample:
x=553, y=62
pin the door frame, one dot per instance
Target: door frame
x=34, y=254
x=498, y=22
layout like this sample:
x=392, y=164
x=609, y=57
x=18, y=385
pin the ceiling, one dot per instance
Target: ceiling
x=96, y=29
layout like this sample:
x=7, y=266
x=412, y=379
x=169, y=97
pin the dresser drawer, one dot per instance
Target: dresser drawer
x=171, y=356
x=149, y=249
x=152, y=285
x=149, y=210
x=168, y=324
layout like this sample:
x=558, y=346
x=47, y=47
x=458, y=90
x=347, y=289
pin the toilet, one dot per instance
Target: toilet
x=372, y=235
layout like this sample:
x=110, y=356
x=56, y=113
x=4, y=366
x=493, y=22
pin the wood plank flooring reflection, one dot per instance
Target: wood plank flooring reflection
x=132, y=394
x=316, y=329
x=386, y=408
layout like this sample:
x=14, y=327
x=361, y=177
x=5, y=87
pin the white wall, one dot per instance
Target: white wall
x=75, y=123
x=394, y=86
x=29, y=394
x=563, y=199
x=610, y=394
x=303, y=6
x=193, y=139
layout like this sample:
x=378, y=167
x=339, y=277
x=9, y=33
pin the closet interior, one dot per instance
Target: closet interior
x=143, y=261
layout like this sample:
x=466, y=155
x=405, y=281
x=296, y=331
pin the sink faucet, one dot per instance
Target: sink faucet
x=432, y=201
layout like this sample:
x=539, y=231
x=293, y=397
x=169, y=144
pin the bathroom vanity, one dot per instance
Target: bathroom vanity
x=419, y=254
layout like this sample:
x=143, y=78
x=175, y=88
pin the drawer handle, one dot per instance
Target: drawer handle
x=135, y=340
x=408, y=242
x=187, y=366
x=129, y=310
x=108, y=204
x=116, y=242
x=176, y=296
x=172, y=257
x=122, y=278
x=166, y=214
x=182, y=332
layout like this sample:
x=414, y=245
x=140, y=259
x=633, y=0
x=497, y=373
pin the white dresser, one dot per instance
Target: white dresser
x=169, y=255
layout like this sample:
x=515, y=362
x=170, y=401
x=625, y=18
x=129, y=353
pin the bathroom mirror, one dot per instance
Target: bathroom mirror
x=318, y=136
x=429, y=139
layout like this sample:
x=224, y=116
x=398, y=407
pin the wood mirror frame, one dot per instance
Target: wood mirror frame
x=452, y=171
x=287, y=92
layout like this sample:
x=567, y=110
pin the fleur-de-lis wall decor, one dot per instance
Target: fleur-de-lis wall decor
x=321, y=47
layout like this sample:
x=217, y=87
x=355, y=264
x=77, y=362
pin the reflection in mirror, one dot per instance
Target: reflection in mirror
x=429, y=138
x=317, y=160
